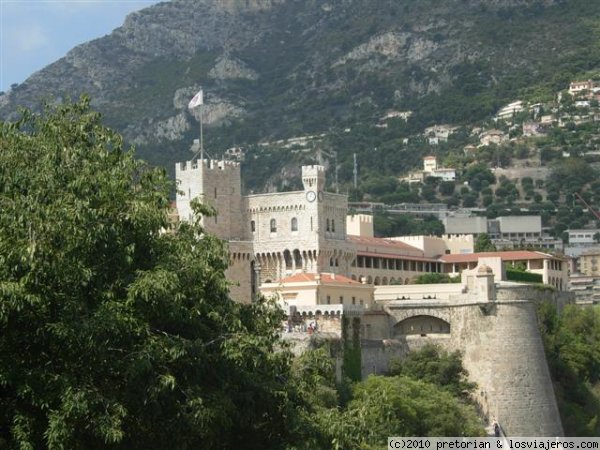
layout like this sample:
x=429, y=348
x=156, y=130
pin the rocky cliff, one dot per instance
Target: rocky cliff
x=277, y=68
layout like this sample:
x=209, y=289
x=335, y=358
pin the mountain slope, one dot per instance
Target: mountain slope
x=289, y=67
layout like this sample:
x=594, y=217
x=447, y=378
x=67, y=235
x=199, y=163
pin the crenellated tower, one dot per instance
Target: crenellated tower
x=313, y=178
x=216, y=183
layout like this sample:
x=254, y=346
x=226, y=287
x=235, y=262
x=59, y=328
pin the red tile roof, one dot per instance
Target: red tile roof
x=396, y=256
x=516, y=255
x=382, y=242
x=327, y=278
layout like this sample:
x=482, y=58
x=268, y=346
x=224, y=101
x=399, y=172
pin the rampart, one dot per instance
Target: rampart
x=501, y=346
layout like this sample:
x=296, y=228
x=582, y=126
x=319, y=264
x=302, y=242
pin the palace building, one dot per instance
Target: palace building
x=275, y=236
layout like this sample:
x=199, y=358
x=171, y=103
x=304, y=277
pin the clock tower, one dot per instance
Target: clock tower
x=313, y=178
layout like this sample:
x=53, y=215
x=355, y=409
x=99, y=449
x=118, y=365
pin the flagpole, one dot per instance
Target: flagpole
x=201, y=139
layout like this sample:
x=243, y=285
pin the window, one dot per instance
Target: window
x=328, y=299
x=273, y=226
x=252, y=226
x=341, y=299
x=327, y=228
x=332, y=226
x=294, y=224
x=354, y=300
x=215, y=192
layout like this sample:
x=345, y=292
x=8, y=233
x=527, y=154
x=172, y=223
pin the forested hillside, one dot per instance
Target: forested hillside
x=278, y=69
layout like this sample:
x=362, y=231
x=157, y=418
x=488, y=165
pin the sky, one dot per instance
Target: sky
x=35, y=33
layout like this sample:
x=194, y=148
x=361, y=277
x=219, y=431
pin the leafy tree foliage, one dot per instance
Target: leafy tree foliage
x=480, y=173
x=571, y=175
x=484, y=243
x=572, y=341
x=432, y=278
x=399, y=406
x=436, y=366
x=387, y=225
x=113, y=332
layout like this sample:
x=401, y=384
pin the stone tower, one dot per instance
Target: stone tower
x=215, y=183
x=313, y=178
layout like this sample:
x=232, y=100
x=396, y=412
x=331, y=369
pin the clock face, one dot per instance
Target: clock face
x=311, y=196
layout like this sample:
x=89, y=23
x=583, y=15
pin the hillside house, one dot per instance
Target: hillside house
x=438, y=133
x=508, y=112
x=431, y=169
x=580, y=87
x=532, y=129
x=493, y=137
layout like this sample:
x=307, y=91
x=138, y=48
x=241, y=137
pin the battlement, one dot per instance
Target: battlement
x=458, y=237
x=209, y=164
x=360, y=225
x=313, y=170
x=313, y=177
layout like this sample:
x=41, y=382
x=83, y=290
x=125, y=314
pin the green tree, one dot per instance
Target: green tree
x=437, y=366
x=113, y=332
x=572, y=342
x=484, y=243
x=447, y=188
x=400, y=406
x=433, y=278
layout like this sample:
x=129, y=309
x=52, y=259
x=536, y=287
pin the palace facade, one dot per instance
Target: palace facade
x=274, y=236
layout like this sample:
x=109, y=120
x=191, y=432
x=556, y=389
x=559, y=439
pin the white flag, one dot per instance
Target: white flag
x=197, y=100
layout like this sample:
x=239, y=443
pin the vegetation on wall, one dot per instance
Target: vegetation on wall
x=516, y=274
x=352, y=364
x=434, y=278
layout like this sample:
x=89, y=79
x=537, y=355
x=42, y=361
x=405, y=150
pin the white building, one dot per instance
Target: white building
x=578, y=87
x=431, y=169
x=439, y=133
x=508, y=111
x=506, y=232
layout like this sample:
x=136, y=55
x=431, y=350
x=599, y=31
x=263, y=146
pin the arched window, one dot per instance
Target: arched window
x=294, y=224
x=252, y=226
x=327, y=228
x=273, y=226
x=332, y=226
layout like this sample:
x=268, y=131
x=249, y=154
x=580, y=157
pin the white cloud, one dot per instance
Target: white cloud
x=26, y=39
x=100, y=6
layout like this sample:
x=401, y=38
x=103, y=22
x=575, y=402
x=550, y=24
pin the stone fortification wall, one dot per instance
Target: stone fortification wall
x=417, y=291
x=503, y=353
x=240, y=272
